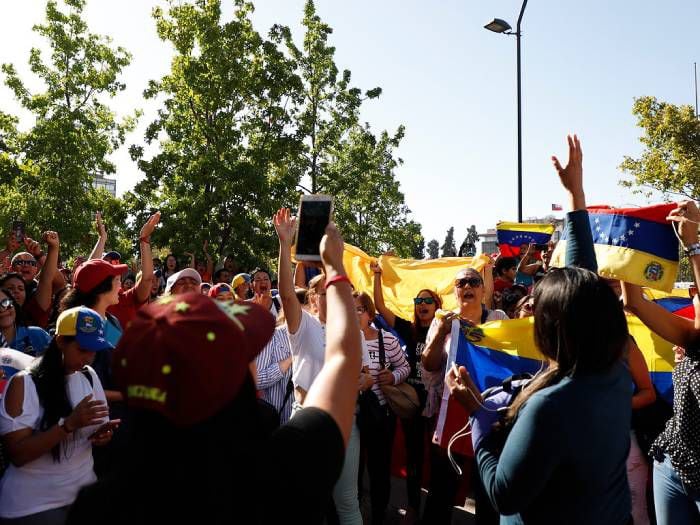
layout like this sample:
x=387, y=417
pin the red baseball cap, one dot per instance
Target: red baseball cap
x=93, y=272
x=186, y=356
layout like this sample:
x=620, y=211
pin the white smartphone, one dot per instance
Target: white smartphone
x=314, y=215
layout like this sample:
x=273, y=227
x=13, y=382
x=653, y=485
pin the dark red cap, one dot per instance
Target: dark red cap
x=187, y=356
x=93, y=272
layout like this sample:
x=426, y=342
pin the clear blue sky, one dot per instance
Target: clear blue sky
x=452, y=84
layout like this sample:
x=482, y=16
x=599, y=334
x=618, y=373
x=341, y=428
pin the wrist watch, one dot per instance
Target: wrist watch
x=64, y=427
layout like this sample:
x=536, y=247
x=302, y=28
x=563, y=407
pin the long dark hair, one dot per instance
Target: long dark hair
x=579, y=325
x=50, y=379
x=77, y=298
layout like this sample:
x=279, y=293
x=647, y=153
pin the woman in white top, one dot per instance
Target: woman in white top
x=51, y=416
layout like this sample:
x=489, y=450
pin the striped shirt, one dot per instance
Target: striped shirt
x=272, y=383
x=394, y=359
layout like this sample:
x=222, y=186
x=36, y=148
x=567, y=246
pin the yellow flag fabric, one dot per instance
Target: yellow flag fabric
x=402, y=279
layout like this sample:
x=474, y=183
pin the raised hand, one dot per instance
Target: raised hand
x=99, y=226
x=148, y=228
x=51, y=239
x=374, y=266
x=687, y=216
x=331, y=249
x=284, y=226
x=33, y=247
x=571, y=176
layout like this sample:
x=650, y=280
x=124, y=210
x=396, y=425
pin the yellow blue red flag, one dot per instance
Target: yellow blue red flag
x=512, y=235
x=636, y=245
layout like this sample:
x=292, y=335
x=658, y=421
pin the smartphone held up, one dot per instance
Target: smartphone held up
x=315, y=213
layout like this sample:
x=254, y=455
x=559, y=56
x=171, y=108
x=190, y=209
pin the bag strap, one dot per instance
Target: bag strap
x=287, y=394
x=382, y=354
x=88, y=376
x=277, y=304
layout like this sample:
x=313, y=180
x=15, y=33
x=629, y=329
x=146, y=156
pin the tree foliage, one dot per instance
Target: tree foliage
x=449, y=249
x=670, y=161
x=47, y=171
x=340, y=156
x=433, y=249
x=227, y=152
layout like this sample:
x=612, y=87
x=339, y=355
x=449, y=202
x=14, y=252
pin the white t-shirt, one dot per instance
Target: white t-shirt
x=308, y=346
x=43, y=484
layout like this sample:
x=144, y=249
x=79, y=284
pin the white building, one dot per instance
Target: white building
x=106, y=184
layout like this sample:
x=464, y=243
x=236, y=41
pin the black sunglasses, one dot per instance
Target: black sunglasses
x=25, y=262
x=6, y=304
x=426, y=300
x=474, y=282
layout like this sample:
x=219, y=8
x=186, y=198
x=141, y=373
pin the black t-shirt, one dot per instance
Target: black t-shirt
x=415, y=344
x=287, y=478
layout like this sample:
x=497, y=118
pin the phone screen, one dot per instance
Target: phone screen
x=313, y=219
x=18, y=229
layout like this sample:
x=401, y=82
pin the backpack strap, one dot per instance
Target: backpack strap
x=88, y=376
x=287, y=394
x=277, y=304
x=382, y=354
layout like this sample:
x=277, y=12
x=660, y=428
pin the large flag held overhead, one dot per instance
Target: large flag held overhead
x=402, y=279
x=512, y=235
x=636, y=245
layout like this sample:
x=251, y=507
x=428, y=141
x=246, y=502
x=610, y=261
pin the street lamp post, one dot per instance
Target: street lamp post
x=501, y=26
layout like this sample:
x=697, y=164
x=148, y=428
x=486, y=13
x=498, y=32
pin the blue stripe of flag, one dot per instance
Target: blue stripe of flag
x=673, y=304
x=516, y=238
x=635, y=233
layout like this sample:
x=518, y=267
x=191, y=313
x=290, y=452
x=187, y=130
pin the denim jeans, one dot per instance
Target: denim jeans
x=676, y=504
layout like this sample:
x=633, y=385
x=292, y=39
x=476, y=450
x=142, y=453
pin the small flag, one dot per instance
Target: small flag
x=557, y=207
x=512, y=235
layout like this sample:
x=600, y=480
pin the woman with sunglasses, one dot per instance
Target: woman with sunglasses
x=413, y=333
x=470, y=295
x=30, y=340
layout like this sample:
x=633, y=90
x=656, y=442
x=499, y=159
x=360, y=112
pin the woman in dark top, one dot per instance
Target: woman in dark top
x=413, y=334
x=563, y=460
x=676, y=451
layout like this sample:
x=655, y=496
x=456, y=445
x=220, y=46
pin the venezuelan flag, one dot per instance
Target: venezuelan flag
x=497, y=350
x=511, y=235
x=636, y=245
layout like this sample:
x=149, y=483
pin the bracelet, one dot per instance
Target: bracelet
x=146, y=240
x=692, y=247
x=338, y=279
x=690, y=252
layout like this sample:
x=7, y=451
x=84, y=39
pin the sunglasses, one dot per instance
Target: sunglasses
x=426, y=300
x=6, y=304
x=473, y=282
x=25, y=262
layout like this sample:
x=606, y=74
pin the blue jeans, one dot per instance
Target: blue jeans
x=676, y=504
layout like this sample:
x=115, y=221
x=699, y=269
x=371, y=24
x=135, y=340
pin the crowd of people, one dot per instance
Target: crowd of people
x=155, y=392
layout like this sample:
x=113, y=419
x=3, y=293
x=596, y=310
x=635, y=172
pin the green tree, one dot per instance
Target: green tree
x=48, y=170
x=433, y=249
x=419, y=252
x=340, y=156
x=449, y=249
x=227, y=151
x=670, y=161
